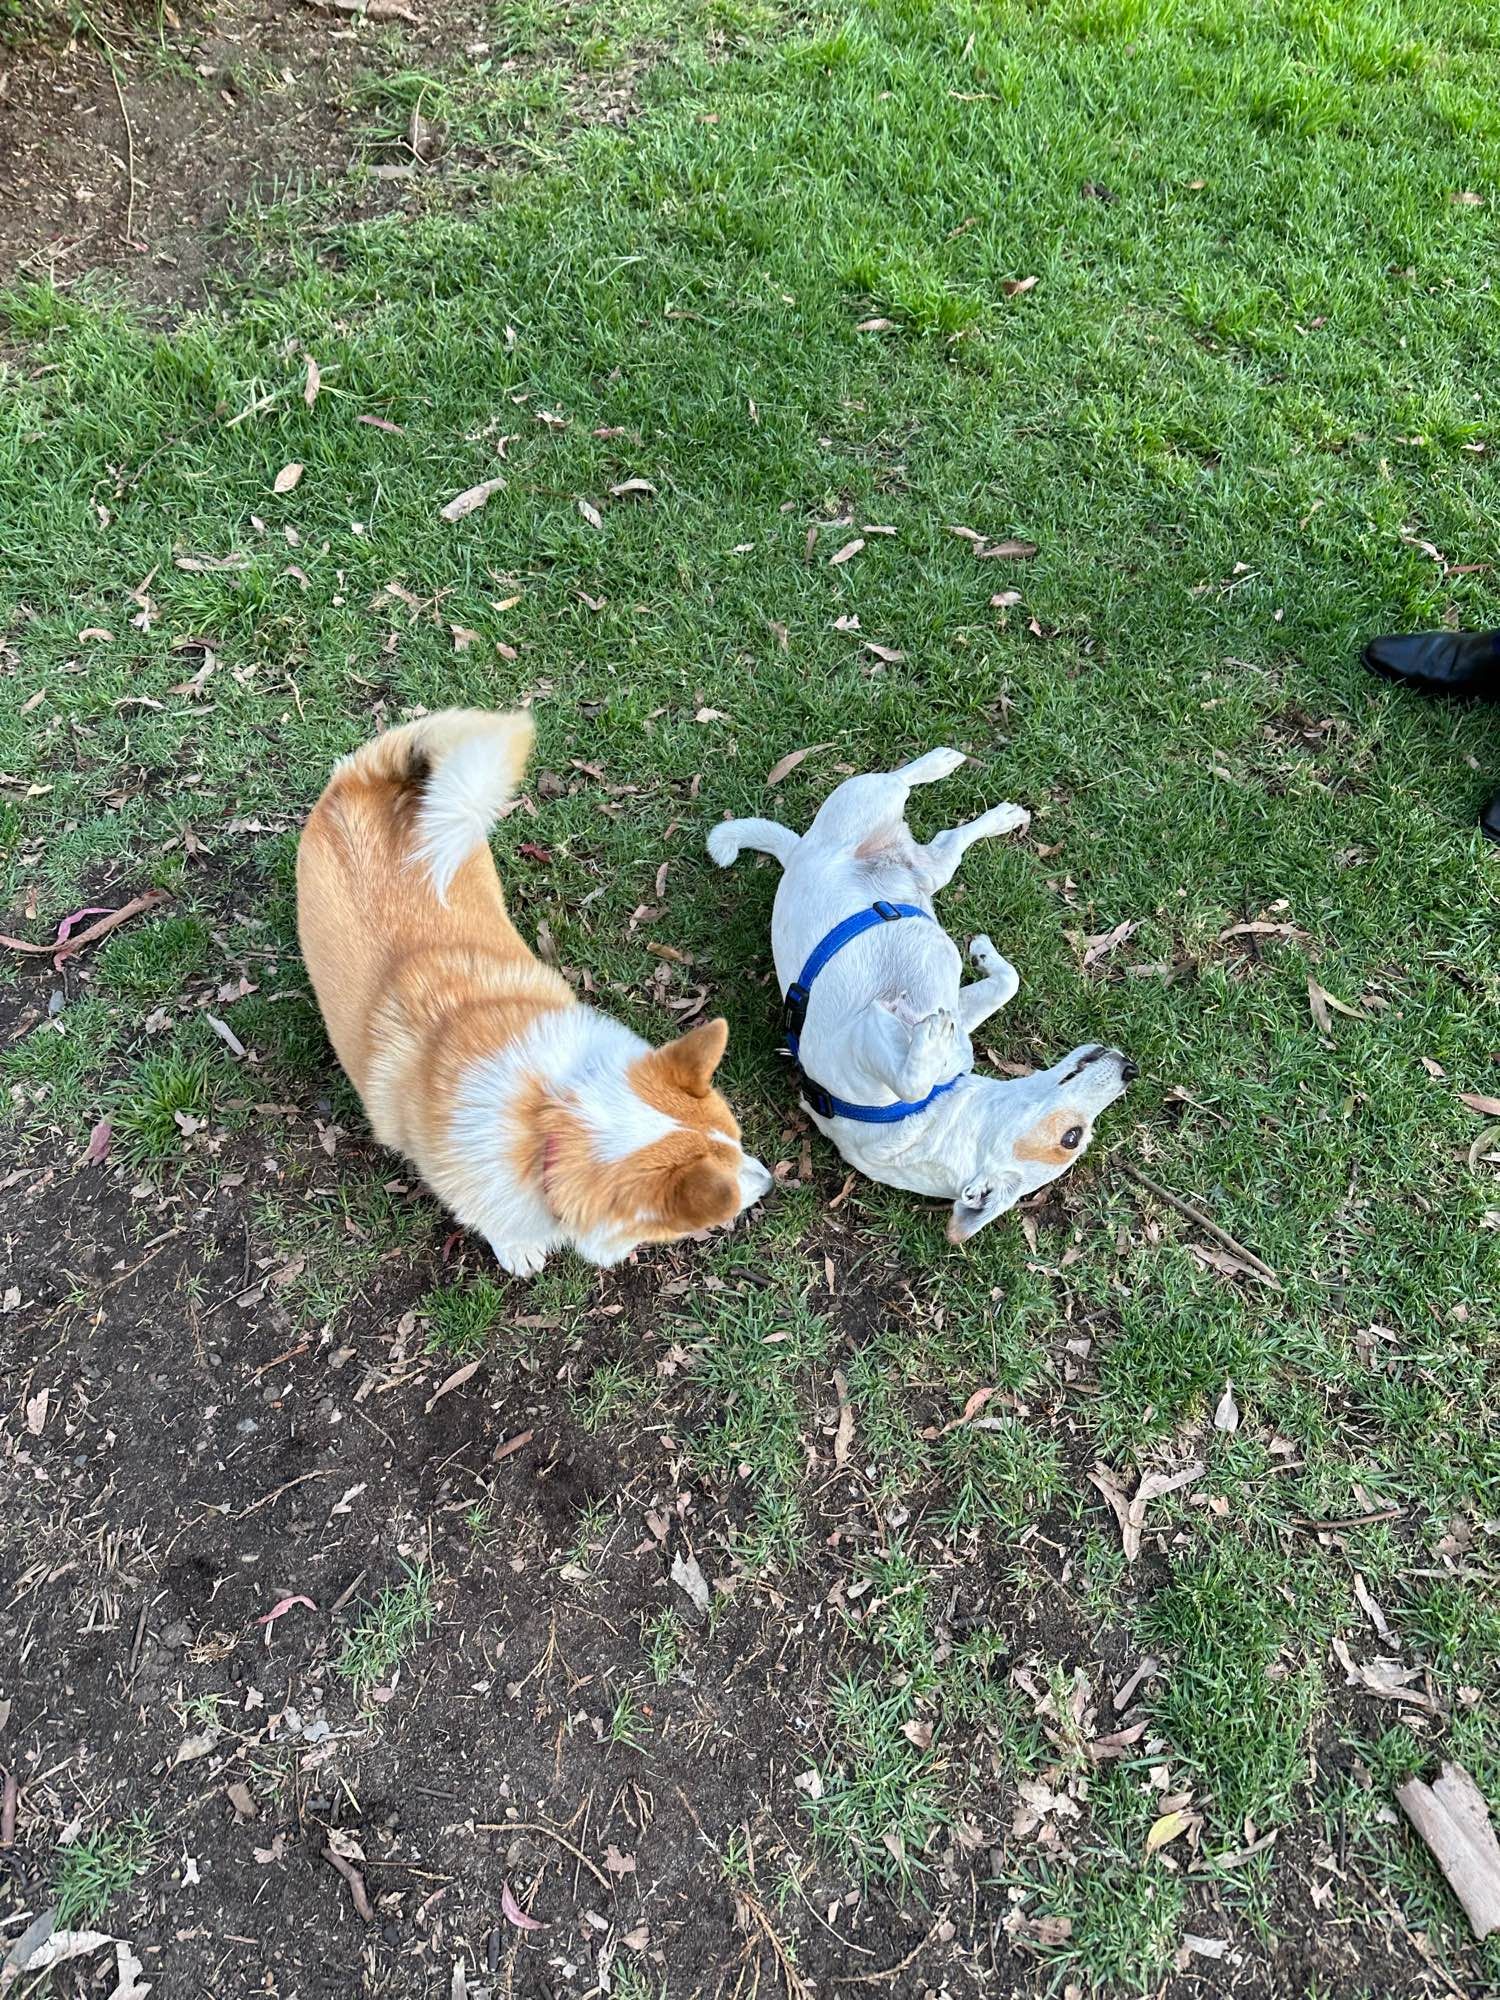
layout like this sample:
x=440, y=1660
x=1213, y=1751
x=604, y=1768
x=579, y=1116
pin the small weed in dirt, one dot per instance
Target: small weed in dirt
x=387, y=1628
x=626, y=1724
x=661, y=1638
x=460, y=1318
x=881, y=1801
x=608, y=1390
x=92, y=1872
x=152, y=1111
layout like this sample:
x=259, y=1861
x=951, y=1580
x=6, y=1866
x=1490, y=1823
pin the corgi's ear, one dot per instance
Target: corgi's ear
x=688, y=1064
x=701, y=1195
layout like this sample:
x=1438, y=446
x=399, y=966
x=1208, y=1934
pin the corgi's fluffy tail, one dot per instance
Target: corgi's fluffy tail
x=729, y=839
x=467, y=763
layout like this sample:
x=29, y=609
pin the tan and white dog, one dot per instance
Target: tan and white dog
x=880, y=1024
x=539, y=1122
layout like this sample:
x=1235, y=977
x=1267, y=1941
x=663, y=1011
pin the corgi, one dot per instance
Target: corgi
x=537, y=1121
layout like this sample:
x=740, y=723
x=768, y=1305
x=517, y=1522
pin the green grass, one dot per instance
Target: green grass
x=88, y=1875
x=460, y=1318
x=1253, y=378
x=387, y=1628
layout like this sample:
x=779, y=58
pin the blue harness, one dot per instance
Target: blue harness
x=794, y=1017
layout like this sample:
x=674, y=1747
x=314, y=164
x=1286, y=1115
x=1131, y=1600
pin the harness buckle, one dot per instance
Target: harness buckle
x=794, y=1009
x=887, y=912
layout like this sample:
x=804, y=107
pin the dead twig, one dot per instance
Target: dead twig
x=1453, y=1819
x=266, y=1498
x=359, y=1895
x=796, y=1986
x=891, y=1971
x=291, y=1354
x=1351, y=1521
x=1230, y=1243
x=128, y=234
x=9, y=1799
x=551, y=1832
x=61, y=948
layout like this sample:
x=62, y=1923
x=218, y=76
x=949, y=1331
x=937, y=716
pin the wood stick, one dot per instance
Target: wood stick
x=1453, y=1819
x=358, y=1893
x=1230, y=1243
x=551, y=1832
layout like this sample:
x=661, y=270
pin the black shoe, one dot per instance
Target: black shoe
x=1466, y=664
x=1489, y=819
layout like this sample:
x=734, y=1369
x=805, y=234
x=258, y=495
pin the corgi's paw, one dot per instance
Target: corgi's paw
x=522, y=1260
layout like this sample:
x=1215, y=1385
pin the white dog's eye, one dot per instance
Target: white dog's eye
x=1071, y=1137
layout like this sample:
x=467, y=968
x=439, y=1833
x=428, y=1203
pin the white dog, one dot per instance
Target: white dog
x=878, y=1021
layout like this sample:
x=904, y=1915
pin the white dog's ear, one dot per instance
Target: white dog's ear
x=985, y=1197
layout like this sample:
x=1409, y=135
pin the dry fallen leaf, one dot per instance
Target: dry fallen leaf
x=471, y=499
x=97, y=1151
x=847, y=552
x=287, y=478
x=687, y=1574
x=889, y=654
x=844, y=1436
x=36, y=1412
x=1321, y=1000
x=313, y=383
x=591, y=513
x=1169, y=1827
x=1227, y=1411
x=918, y=1734
x=875, y=326
x=784, y=766
x=511, y=1910
x=1131, y=1513
x=240, y=1798
x=1012, y=547
x=1101, y=946
x=1013, y=287
x=455, y=1381
x=1487, y=1107
x=1228, y=1265
x=631, y=486
x=616, y=1863
x=1386, y=1678
x=1466, y=198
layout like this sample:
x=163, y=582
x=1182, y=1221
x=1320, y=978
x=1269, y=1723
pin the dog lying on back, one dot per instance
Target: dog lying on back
x=878, y=1021
x=537, y=1121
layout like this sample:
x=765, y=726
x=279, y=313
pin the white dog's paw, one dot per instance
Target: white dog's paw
x=982, y=951
x=929, y=768
x=522, y=1260
x=1004, y=819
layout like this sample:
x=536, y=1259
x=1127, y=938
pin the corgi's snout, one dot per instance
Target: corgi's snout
x=755, y=1180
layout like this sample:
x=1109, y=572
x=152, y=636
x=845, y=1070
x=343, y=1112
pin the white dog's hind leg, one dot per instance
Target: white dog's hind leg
x=928, y=769
x=939, y=859
x=868, y=813
x=987, y=996
x=908, y=1057
x=728, y=840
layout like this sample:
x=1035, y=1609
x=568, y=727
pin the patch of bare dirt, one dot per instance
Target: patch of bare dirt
x=129, y=154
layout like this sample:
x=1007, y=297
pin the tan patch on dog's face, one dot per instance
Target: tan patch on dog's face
x=1043, y=1146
